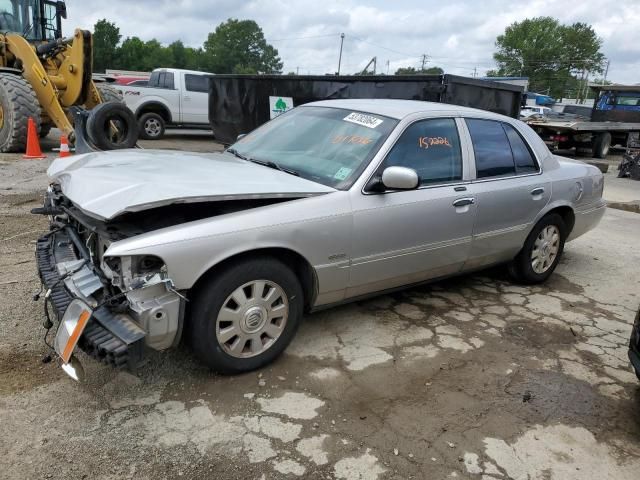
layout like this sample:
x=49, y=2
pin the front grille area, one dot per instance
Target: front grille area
x=109, y=338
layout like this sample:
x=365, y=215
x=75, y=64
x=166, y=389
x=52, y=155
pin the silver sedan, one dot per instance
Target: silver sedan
x=328, y=203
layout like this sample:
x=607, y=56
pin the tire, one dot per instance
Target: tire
x=18, y=102
x=45, y=129
x=108, y=93
x=521, y=267
x=251, y=322
x=151, y=126
x=100, y=122
x=601, y=145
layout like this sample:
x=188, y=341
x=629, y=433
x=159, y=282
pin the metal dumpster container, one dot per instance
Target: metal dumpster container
x=240, y=103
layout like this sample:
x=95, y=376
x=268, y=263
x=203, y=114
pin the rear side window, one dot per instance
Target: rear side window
x=168, y=81
x=492, y=149
x=196, y=83
x=522, y=156
x=431, y=148
x=161, y=80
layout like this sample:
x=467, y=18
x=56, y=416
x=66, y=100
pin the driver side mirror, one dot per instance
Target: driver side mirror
x=400, y=178
x=241, y=136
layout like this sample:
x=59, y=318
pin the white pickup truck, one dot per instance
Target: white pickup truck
x=172, y=97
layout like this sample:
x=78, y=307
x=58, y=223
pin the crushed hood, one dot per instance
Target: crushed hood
x=107, y=184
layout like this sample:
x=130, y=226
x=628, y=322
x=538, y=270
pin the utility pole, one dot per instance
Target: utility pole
x=475, y=72
x=375, y=62
x=387, y=67
x=424, y=60
x=606, y=72
x=297, y=70
x=340, y=57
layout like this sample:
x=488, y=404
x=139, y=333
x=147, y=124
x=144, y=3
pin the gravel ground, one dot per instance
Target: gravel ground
x=471, y=378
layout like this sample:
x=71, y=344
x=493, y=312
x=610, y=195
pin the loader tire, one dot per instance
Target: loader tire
x=108, y=93
x=18, y=102
x=100, y=125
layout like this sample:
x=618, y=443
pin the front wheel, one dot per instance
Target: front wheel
x=245, y=316
x=541, y=252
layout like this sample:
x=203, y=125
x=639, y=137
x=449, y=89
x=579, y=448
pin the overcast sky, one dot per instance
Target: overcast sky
x=457, y=35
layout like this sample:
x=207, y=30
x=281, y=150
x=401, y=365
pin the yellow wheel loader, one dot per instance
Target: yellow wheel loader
x=49, y=78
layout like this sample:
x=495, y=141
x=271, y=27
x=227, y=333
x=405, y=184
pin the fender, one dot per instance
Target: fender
x=154, y=105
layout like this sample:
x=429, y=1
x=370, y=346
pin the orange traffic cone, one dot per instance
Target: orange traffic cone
x=64, y=147
x=33, y=143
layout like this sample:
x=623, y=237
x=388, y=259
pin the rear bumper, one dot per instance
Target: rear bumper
x=587, y=219
x=111, y=338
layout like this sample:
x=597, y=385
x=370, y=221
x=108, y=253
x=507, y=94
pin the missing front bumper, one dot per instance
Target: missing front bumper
x=111, y=338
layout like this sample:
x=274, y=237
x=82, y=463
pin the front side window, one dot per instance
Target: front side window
x=196, y=83
x=331, y=146
x=431, y=148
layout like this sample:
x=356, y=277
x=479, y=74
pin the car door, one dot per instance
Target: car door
x=509, y=190
x=195, y=99
x=404, y=237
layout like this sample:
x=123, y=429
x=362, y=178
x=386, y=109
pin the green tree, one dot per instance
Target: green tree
x=156, y=56
x=195, y=59
x=178, y=54
x=552, y=55
x=415, y=71
x=106, y=37
x=131, y=54
x=239, y=46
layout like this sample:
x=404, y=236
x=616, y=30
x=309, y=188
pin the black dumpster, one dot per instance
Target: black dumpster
x=240, y=103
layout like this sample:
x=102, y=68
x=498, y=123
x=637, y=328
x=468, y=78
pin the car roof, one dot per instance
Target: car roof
x=400, y=109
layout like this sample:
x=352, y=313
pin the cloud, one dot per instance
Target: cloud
x=458, y=35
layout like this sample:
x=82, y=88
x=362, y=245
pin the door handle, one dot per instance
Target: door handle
x=463, y=202
x=537, y=191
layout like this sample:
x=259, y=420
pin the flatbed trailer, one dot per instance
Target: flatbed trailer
x=615, y=115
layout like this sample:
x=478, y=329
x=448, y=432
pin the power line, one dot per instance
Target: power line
x=302, y=38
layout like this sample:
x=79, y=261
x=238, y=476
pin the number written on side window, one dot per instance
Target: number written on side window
x=499, y=149
x=432, y=149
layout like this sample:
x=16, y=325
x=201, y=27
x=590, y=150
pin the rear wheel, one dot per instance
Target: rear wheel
x=152, y=126
x=541, y=252
x=246, y=315
x=601, y=145
x=18, y=102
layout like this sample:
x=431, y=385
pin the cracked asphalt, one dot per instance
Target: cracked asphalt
x=470, y=378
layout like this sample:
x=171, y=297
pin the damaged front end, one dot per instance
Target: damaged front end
x=112, y=308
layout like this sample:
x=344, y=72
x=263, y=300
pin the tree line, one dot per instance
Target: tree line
x=558, y=59
x=236, y=46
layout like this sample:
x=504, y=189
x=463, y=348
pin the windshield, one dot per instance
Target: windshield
x=326, y=145
x=24, y=17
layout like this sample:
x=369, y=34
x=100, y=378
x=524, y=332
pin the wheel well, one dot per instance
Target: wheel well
x=567, y=215
x=300, y=266
x=155, y=108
